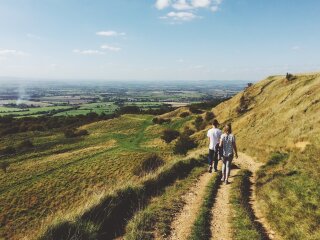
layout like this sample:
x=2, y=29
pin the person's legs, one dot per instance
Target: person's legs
x=227, y=173
x=215, y=159
x=223, y=169
x=210, y=159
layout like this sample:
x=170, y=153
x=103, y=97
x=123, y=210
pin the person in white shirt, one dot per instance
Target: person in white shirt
x=228, y=145
x=214, y=135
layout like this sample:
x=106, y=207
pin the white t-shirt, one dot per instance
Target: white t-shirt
x=214, y=134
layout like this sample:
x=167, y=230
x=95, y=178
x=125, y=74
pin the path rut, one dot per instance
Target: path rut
x=182, y=224
x=221, y=212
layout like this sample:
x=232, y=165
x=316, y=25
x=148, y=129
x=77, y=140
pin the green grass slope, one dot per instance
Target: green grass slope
x=60, y=178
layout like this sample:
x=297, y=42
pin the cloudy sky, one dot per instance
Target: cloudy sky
x=158, y=39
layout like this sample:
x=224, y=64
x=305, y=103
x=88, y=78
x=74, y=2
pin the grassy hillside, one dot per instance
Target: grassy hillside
x=278, y=122
x=61, y=177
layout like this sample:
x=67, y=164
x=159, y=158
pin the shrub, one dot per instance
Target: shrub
x=198, y=123
x=195, y=109
x=8, y=151
x=184, y=114
x=209, y=116
x=187, y=131
x=4, y=166
x=161, y=120
x=71, y=133
x=290, y=77
x=148, y=165
x=184, y=144
x=243, y=105
x=26, y=144
x=169, y=135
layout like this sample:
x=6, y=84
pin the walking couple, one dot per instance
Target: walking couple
x=222, y=146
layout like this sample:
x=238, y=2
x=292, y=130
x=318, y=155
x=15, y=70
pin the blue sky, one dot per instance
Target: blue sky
x=158, y=39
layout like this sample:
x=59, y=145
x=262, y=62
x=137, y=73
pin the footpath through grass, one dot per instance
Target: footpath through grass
x=201, y=227
x=243, y=219
x=156, y=218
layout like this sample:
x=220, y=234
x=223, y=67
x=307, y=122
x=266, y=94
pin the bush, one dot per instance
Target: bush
x=8, y=151
x=209, y=116
x=198, y=123
x=150, y=164
x=128, y=110
x=161, y=120
x=72, y=133
x=290, y=77
x=183, y=145
x=195, y=109
x=26, y=144
x=187, y=131
x=243, y=105
x=184, y=114
x=4, y=166
x=169, y=135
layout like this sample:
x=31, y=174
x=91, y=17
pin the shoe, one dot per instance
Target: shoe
x=222, y=179
x=226, y=182
x=210, y=169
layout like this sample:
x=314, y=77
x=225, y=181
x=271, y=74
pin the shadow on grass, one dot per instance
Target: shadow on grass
x=246, y=192
x=107, y=220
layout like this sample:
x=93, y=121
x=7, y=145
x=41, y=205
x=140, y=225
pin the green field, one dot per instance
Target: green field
x=63, y=174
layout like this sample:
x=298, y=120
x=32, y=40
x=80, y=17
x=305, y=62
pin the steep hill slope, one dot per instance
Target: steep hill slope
x=275, y=114
x=278, y=122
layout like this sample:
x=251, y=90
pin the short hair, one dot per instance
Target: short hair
x=227, y=128
x=215, y=123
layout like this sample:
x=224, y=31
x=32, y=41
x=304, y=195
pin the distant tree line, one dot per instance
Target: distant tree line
x=11, y=125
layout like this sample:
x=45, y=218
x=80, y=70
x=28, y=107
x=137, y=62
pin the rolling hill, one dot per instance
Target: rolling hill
x=83, y=187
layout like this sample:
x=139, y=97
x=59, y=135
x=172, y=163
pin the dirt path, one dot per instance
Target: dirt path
x=221, y=212
x=182, y=224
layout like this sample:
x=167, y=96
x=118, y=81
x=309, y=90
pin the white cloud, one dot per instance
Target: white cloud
x=180, y=16
x=182, y=5
x=161, y=4
x=201, y=3
x=185, y=9
x=214, y=8
x=88, y=52
x=110, y=33
x=11, y=52
x=110, y=48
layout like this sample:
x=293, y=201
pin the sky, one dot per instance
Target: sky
x=158, y=40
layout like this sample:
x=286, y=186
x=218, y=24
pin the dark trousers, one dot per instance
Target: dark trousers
x=213, y=158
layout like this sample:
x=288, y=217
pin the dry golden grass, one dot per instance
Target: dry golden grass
x=280, y=114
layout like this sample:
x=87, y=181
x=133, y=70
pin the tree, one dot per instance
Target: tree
x=169, y=135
